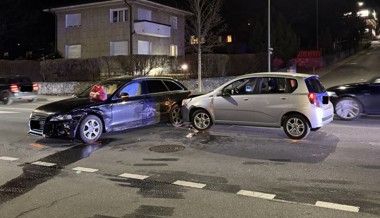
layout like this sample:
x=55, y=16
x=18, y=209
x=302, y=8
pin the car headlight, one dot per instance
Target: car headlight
x=332, y=94
x=61, y=117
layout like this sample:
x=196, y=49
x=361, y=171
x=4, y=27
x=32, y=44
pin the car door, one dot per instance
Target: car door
x=234, y=105
x=157, y=102
x=127, y=111
x=373, y=98
x=271, y=100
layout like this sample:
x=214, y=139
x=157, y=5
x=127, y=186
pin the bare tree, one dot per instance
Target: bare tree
x=204, y=27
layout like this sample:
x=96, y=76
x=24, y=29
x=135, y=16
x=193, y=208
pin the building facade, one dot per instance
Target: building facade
x=118, y=27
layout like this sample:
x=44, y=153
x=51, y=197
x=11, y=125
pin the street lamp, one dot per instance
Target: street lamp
x=317, y=25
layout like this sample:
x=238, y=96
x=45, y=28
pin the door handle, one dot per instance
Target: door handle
x=245, y=99
x=283, y=98
x=141, y=101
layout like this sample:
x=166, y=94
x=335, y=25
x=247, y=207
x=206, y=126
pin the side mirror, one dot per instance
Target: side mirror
x=124, y=95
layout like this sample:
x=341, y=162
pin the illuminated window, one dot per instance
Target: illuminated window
x=229, y=38
x=6, y=54
x=73, y=20
x=118, y=15
x=194, y=40
x=174, y=50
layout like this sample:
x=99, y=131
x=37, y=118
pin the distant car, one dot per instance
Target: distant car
x=297, y=102
x=127, y=103
x=15, y=88
x=350, y=100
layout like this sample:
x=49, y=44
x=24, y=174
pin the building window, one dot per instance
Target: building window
x=118, y=48
x=174, y=22
x=174, y=50
x=144, y=47
x=73, y=51
x=118, y=15
x=144, y=14
x=229, y=38
x=73, y=20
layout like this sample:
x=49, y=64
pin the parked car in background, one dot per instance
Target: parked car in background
x=351, y=100
x=15, y=88
x=297, y=102
x=112, y=105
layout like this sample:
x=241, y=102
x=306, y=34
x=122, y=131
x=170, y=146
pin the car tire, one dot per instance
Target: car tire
x=90, y=129
x=201, y=120
x=7, y=100
x=296, y=126
x=348, y=108
x=175, y=116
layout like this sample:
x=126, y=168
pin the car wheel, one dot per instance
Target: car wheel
x=7, y=99
x=348, y=108
x=90, y=129
x=296, y=126
x=175, y=114
x=201, y=120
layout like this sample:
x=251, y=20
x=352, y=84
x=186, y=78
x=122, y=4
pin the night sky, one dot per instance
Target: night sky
x=38, y=29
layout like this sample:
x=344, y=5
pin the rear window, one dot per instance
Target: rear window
x=313, y=85
x=172, y=85
x=21, y=80
x=155, y=86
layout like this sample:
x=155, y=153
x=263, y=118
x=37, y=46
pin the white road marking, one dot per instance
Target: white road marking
x=337, y=206
x=45, y=164
x=16, y=108
x=189, y=184
x=133, y=176
x=8, y=112
x=8, y=158
x=84, y=169
x=256, y=194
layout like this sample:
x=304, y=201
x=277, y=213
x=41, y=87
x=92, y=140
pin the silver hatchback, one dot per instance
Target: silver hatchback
x=297, y=102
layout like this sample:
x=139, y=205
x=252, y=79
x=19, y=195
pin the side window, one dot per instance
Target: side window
x=241, y=87
x=133, y=89
x=155, y=86
x=172, y=85
x=292, y=84
x=270, y=85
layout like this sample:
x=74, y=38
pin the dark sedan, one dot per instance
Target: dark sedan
x=128, y=103
x=350, y=100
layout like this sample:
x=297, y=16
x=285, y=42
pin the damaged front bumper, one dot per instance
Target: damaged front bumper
x=40, y=125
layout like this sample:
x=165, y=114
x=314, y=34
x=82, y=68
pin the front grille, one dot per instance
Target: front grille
x=37, y=122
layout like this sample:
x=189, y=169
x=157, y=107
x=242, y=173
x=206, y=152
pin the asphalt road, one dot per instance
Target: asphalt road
x=229, y=171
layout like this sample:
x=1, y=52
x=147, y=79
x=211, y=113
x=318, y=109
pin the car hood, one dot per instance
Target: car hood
x=66, y=105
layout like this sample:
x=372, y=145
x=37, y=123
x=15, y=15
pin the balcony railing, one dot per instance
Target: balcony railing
x=149, y=28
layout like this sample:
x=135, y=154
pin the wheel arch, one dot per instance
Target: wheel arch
x=353, y=97
x=85, y=115
x=193, y=109
x=291, y=113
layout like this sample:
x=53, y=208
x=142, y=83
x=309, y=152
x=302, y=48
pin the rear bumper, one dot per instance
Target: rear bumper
x=321, y=116
x=23, y=96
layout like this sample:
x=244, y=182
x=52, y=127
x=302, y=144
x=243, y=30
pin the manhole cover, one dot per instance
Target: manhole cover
x=167, y=148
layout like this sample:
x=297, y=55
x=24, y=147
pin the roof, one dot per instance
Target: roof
x=303, y=75
x=99, y=3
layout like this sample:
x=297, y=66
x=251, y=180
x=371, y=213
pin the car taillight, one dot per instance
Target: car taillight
x=313, y=98
x=35, y=87
x=14, y=88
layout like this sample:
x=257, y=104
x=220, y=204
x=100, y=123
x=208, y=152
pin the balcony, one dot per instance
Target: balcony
x=149, y=28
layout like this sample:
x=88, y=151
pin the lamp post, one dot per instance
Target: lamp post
x=269, y=44
x=317, y=8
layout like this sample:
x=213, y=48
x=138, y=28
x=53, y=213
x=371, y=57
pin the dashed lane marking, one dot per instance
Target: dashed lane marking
x=8, y=112
x=133, y=176
x=45, y=164
x=84, y=169
x=8, y=158
x=256, y=194
x=189, y=184
x=337, y=206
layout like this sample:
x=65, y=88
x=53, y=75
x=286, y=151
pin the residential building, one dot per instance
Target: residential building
x=119, y=27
